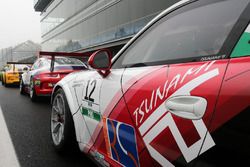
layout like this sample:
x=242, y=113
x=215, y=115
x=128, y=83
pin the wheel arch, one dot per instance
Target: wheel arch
x=70, y=104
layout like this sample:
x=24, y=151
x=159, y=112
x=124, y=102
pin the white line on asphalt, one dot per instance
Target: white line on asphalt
x=8, y=156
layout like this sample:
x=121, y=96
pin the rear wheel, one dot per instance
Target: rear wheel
x=22, y=92
x=62, y=125
x=33, y=95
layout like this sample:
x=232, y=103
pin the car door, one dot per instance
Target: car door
x=172, y=106
x=230, y=126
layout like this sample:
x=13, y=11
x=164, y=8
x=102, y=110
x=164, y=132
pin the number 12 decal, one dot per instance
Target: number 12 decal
x=88, y=96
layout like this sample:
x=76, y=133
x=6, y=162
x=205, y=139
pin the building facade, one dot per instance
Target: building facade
x=88, y=25
x=23, y=52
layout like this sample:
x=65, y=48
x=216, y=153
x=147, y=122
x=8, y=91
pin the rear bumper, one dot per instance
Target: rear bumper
x=43, y=92
x=44, y=87
x=12, y=81
x=12, y=78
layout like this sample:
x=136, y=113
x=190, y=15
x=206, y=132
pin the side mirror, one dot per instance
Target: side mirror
x=101, y=61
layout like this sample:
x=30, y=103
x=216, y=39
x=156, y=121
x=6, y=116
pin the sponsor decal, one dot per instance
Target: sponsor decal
x=121, y=142
x=91, y=114
x=210, y=58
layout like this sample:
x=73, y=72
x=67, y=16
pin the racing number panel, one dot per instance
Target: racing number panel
x=96, y=114
x=88, y=114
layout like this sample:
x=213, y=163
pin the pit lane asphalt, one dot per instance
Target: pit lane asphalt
x=29, y=124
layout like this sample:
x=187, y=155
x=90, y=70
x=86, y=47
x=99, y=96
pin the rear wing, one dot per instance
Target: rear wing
x=61, y=54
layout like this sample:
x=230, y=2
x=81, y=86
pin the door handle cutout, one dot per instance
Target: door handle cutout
x=188, y=107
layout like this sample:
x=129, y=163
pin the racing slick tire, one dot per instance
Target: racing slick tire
x=62, y=126
x=22, y=92
x=33, y=95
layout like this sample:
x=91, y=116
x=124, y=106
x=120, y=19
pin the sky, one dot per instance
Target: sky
x=18, y=22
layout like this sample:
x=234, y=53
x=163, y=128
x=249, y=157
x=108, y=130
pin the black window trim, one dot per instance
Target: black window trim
x=236, y=33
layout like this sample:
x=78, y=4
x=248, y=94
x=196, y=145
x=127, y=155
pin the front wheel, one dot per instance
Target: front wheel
x=62, y=125
x=33, y=95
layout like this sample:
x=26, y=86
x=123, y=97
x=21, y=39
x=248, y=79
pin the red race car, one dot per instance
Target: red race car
x=47, y=70
x=176, y=95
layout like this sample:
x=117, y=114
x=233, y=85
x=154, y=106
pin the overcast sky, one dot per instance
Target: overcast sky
x=18, y=22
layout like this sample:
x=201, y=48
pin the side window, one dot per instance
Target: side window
x=243, y=46
x=35, y=65
x=43, y=64
x=187, y=34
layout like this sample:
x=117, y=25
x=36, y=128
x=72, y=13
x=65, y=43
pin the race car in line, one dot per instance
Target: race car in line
x=177, y=94
x=47, y=70
x=12, y=72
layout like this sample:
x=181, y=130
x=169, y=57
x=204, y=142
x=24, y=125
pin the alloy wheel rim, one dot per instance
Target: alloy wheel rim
x=57, y=119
